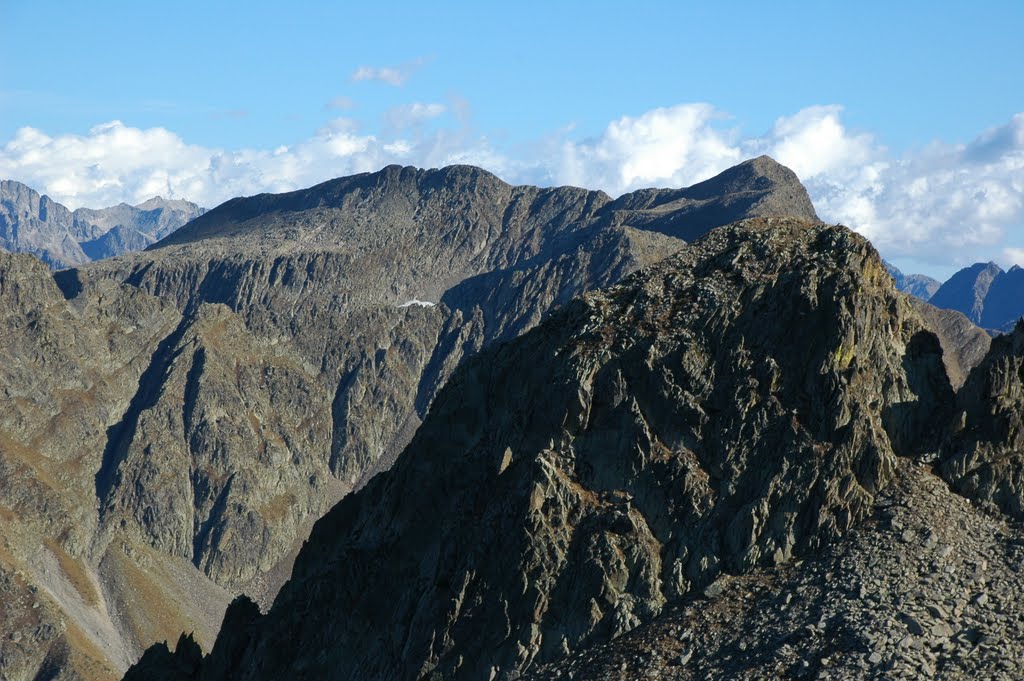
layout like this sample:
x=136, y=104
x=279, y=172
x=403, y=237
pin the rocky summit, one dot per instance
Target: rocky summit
x=740, y=462
x=176, y=419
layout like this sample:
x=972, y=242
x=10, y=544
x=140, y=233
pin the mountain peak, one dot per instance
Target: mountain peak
x=988, y=295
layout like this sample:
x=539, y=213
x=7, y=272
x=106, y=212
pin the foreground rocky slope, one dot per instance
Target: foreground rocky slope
x=30, y=223
x=178, y=418
x=929, y=586
x=570, y=485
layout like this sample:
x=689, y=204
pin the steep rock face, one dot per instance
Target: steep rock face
x=220, y=391
x=984, y=458
x=36, y=224
x=964, y=345
x=69, y=371
x=223, y=390
x=320, y=275
x=567, y=485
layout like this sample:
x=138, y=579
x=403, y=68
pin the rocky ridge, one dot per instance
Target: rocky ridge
x=984, y=457
x=570, y=485
x=225, y=388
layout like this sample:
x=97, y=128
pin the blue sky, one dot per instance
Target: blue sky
x=881, y=107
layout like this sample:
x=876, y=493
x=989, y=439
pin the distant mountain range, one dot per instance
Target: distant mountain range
x=989, y=296
x=918, y=285
x=32, y=223
x=36, y=224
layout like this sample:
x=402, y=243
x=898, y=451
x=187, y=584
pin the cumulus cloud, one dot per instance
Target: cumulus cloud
x=946, y=204
x=395, y=76
x=673, y=146
x=114, y=162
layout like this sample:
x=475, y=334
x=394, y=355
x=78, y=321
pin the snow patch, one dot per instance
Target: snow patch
x=417, y=301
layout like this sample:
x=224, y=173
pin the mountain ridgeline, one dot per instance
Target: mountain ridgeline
x=177, y=418
x=30, y=223
x=917, y=285
x=752, y=400
x=990, y=297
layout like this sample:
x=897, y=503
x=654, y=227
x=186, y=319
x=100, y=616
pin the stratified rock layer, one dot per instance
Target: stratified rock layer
x=739, y=403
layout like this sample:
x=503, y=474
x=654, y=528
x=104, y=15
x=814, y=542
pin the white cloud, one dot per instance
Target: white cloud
x=1013, y=256
x=395, y=76
x=945, y=204
x=114, y=162
x=409, y=115
x=813, y=142
x=674, y=146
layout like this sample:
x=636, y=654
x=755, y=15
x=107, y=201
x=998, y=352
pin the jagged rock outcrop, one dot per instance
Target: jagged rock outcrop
x=569, y=485
x=35, y=224
x=964, y=345
x=226, y=387
x=984, y=458
x=927, y=587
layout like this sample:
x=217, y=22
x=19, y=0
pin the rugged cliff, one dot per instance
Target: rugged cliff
x=984, y=458
x=736, y=405
x=180, y=417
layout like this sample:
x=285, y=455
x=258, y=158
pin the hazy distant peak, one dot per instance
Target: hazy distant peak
x=36, y=224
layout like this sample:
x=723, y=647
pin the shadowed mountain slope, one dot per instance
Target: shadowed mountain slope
x=225, y=388
x=569, y=485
